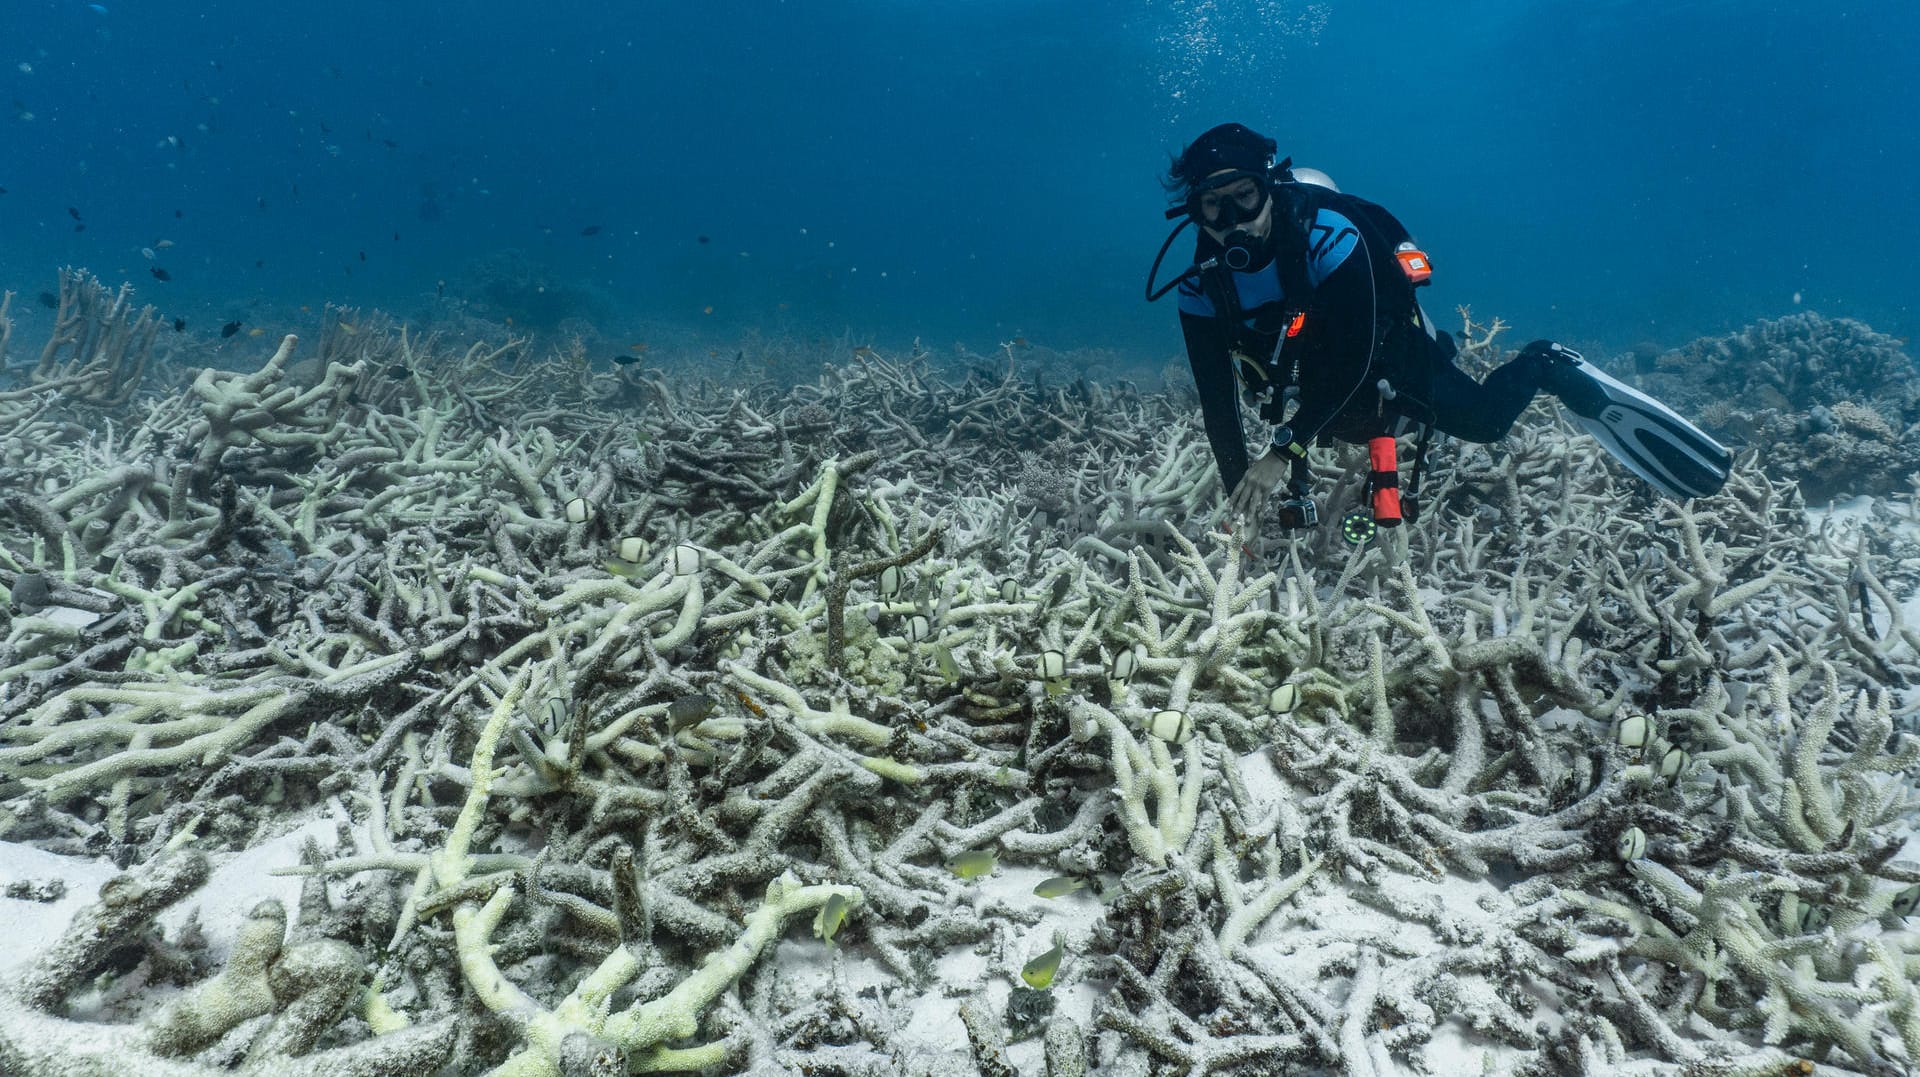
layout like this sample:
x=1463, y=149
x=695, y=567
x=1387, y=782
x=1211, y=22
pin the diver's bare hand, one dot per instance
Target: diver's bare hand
x=1249, y=497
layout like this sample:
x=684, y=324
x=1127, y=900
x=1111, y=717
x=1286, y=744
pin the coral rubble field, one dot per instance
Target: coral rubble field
x=531, y=716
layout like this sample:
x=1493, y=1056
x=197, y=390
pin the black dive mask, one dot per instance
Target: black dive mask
x=1225, y=203
x=1229, y=199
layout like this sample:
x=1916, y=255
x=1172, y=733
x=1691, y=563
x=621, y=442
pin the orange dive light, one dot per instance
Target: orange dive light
x=1384, y=480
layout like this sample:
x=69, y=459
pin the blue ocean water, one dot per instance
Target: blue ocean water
x=1611, y=173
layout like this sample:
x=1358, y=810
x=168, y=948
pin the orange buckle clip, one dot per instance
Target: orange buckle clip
x=1415, y=263
x=1293, y=328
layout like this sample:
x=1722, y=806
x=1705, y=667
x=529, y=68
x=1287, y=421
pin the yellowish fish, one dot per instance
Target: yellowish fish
x=973, y=863
x=1058, y=886
x=256, y=331
x=1040, y=971
x=349, y=328
x=943, y=661
x=830, y=917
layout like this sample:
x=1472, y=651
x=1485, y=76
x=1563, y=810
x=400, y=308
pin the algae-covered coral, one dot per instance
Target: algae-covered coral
x=612, y=677
x=1828, y=401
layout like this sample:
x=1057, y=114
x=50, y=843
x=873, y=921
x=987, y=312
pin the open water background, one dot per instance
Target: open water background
x=1612, y=173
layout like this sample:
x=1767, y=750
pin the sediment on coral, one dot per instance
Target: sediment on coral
x=617, y=677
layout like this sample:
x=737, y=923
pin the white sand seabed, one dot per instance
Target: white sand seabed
x=238, y=883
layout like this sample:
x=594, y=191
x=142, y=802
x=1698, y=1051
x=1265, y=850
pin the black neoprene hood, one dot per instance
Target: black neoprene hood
x=1228, y=146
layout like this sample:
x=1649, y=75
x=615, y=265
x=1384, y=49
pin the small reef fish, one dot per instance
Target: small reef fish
x=1040, y=971
x=1802, y=917
x=944, y=662
x=973, y=863
x=830, y=917
x=1634, y=731
x=625, y=572
x=688, y=711
x=49, y=300
x=399, y=371
x=230, y=329
x=73, y=212
x=1284, y=698
x=160, y=274
x=179, y=325
x=256, y=331
x=1059, y=886
x=590, y=230
x=626, y=360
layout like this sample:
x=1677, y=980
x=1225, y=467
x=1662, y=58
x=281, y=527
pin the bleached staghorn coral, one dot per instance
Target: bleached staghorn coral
x=1782, y=822
x=100, y=345
x=1453, y=718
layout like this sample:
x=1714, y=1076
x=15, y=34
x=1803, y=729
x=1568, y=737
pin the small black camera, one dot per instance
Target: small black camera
x=1299, y=512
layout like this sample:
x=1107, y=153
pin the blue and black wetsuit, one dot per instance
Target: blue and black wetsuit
x=1335, y=265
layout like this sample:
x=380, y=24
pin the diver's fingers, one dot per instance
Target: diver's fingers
x=1241, y=501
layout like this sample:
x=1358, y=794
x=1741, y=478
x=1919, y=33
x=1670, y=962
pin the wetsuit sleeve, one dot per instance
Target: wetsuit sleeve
x=1209, y=354
x=1336, y=344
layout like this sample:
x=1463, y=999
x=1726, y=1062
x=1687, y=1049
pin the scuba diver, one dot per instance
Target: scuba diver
x=1301, y=292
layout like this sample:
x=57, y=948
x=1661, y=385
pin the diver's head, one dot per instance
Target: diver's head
x=1225, y=180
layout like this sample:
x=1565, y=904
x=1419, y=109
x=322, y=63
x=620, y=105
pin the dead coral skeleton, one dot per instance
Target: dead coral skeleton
x=616, y=674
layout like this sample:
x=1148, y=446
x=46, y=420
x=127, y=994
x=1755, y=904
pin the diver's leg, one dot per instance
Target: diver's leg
x=1482, y=411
